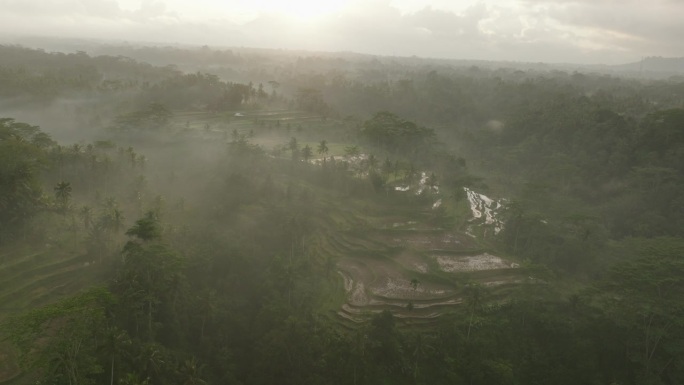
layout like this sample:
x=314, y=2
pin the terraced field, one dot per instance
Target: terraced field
x=268, y=128
x=417, y=271
x=386, y=257
x=30, y=277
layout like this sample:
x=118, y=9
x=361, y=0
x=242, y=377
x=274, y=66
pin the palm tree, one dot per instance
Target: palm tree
x=151, y=360
x=191, y=371
x=475, y=293
x=411, y=173
x=323, y=147
x=87, y=216
x=131, y=155
x=307, y=153
x=372, y=162
x=146, y=228
x=419, y=353
x=60, y=158
x=63, y=193
x=514, y=217
x=115, y=343
x=142, y=161
x=76, y=148
x=111, y=220
x=117, y=219
x=97, y=239
x=387, y=167
x=295, y=155
x=292, y=144
x=207, y=307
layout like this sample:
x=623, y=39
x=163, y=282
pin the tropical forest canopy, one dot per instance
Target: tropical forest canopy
x=200, y=216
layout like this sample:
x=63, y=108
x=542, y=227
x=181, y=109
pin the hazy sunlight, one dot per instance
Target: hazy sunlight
x=302, y=9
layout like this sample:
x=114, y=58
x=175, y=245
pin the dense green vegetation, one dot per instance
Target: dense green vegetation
x=195, y=233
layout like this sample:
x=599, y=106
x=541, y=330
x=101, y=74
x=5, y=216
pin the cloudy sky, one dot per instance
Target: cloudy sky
x=573, y=31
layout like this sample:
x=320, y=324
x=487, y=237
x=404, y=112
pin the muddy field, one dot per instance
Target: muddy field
x=408, y=271
x=484, y=261
x=427, y=240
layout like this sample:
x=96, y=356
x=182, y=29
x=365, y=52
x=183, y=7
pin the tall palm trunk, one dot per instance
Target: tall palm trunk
x=149, y=318
x=470, y=324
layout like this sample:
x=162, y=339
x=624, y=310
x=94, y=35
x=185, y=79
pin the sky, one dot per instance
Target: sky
x=554, y=31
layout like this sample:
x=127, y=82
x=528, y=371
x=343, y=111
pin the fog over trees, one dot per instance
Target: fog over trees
x=196, y=215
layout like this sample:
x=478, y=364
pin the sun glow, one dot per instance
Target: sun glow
x=302, y=9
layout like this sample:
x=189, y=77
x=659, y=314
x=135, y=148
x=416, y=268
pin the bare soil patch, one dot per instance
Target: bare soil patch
x=413, y=262
x=427, y=240
x=366, y=280
x=401, y=288
x=484, y=261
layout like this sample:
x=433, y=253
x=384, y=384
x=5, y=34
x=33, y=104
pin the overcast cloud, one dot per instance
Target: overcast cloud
x=579, y=31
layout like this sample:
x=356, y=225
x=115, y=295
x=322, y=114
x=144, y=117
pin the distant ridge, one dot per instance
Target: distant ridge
x=673, y=65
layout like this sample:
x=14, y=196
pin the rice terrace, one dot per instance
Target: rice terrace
x=196, y=215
